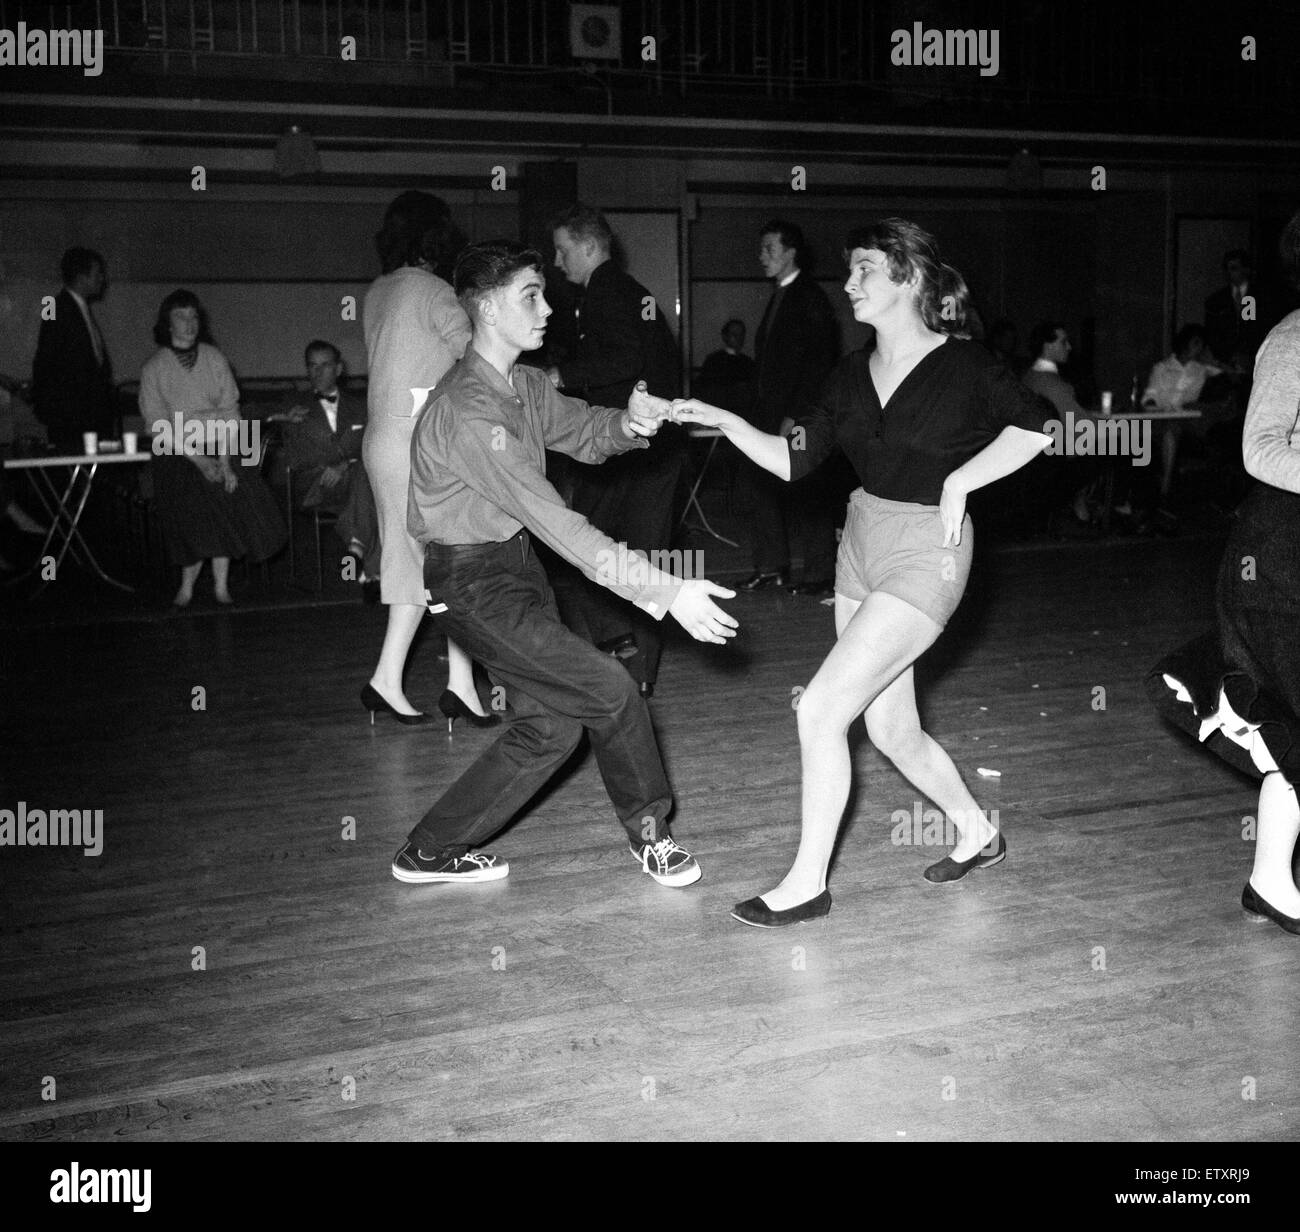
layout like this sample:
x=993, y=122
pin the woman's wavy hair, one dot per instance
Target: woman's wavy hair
x=180, y=298
x=942, y=297
x=418, y=228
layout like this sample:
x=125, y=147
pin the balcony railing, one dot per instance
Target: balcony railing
x=1160, y=53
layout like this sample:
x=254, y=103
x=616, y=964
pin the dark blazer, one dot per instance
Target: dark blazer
x=616, y=346
x=795, y=351
x=309, y=447
x=1230, y=337
x=71, y=392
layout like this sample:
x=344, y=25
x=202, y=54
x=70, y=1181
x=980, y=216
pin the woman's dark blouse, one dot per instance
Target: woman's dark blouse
x=952, y=404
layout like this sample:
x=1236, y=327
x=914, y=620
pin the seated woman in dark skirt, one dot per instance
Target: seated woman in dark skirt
x=210, y=507
x=1237, y=688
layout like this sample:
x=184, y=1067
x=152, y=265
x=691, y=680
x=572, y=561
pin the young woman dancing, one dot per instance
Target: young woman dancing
x=925, y=418
x=1237, y=688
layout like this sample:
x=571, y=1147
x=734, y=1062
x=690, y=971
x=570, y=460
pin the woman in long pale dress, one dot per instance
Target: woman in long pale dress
x=415, y=330
x=1237, y=688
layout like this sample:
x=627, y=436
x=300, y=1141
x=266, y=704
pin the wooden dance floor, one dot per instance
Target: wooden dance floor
x=1102, y=983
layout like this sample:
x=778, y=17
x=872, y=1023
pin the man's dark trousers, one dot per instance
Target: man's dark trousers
x=500, y=611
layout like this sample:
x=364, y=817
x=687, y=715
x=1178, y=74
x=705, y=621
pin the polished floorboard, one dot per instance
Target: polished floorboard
x=1102, y=983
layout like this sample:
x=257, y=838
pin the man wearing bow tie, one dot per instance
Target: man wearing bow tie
x=322, y=447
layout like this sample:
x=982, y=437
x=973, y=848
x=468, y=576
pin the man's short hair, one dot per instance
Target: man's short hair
x=319, y=344
x=733, y=321
x=791, y=236
x=1186, y=334
x=490, y=265
x=1042, y=333
x=1238, y=254
x=584, y=222
x=78, y=261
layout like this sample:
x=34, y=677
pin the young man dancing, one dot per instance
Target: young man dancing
x=478, y=490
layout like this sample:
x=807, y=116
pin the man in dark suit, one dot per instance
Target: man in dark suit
x=1239, y=316
x=796, y=346
x=321, y=444
x=72, y=379
x=621, y=339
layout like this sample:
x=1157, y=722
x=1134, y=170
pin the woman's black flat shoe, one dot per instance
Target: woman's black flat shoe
x=756, y=912
x=1256, y=905
x=454, y=708
x=949, y=869
x=374, y=701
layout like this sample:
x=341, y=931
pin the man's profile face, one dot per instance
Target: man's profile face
x=776, y=259
x=323, y=370
x=521, y=310
x=1058, y=350
x=574, y=257
x=91, y=284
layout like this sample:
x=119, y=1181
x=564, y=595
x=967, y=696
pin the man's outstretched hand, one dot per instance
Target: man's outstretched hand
x=645, y=412
x=703, y=619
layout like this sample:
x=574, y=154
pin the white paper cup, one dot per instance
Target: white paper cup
x=130, y=442
x=90, y=442
x=1107, y=401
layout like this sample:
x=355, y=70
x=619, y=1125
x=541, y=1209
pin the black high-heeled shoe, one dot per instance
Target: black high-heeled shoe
x=1256, y=904
x=375, y=702
x=949, y=869
x=455, y=708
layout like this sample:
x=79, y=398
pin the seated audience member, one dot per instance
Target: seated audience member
x=1178, y=379
x=727, y=377
x=209, y=506
x=18, y=427
x=1175, y=382
x=321, y=435
x=1049, y=345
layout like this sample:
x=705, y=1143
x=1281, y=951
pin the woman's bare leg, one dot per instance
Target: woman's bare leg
x=1277, y=828
x=403, y=621
x=221, y=578
x=878, y=639
x=895, y=729
x=189, y=575
x=460, y=677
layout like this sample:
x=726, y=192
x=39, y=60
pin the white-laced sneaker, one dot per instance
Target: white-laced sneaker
x=666, y=862
x=411, y=866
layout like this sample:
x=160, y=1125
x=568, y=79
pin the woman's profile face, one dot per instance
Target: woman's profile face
x=184, y=323
x=869, y=287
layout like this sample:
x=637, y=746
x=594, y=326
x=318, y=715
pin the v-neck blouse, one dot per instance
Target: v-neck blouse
x=944, y=411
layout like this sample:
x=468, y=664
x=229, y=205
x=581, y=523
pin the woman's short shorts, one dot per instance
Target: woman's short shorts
x=897, y=547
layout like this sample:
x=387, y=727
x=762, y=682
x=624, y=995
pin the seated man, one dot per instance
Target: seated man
x=322, y=448
x=1049, y=347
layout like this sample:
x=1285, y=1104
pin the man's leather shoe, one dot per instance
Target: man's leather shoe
x=622, y=647
x=824, y=588
x=761, y=581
